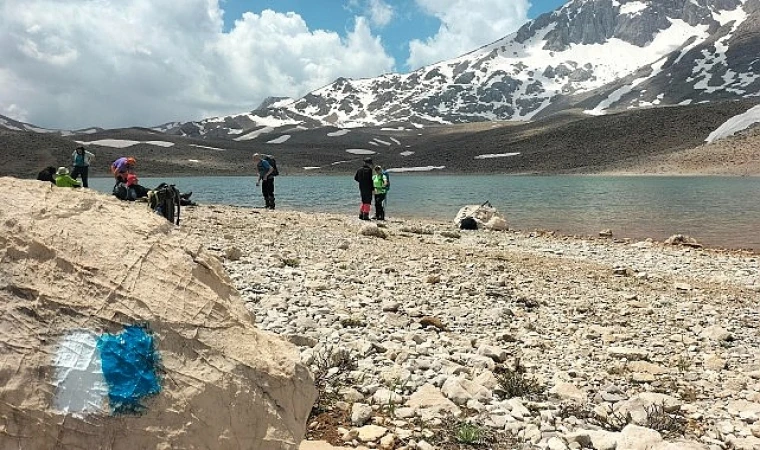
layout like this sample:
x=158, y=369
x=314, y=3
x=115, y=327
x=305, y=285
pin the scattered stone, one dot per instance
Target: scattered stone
x=568, y=391
x=233, y=253
x=680, y=239
x=629, y=353
x=360, y=414
x=717, y=333
x=606, y=233
x=372, y=230
x=428, y=321
x=371, y=433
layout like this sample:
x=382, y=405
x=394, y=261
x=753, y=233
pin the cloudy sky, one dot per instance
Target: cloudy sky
x=113, y=63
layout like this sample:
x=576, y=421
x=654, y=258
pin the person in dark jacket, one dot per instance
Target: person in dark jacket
x=47, y=174
x=364, y=178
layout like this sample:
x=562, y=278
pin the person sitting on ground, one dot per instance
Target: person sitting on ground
x=81, y=166
x=122, y=167
x=135, y=189
x=63, y=179
x=47, y=174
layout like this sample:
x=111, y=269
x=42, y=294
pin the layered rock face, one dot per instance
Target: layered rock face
x=120, y=332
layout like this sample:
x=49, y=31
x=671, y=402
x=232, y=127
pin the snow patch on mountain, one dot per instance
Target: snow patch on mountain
x=416, y=169
x=124, y=143
x=282, y=139
x=496, y=155
x=359, y=151
x=735, y=124
x=255, y=134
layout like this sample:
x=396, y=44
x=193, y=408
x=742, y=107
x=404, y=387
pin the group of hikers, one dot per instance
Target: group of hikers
x=373, y=181
x=164, y=199
x=61, y=177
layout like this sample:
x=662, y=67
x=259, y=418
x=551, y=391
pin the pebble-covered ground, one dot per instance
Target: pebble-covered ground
x=612, y=345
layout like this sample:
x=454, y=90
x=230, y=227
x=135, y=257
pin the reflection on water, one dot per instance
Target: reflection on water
x=717, y=211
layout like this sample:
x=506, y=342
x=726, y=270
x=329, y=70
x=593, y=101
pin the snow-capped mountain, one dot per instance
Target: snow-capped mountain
x=599, y=55
x=15, y=125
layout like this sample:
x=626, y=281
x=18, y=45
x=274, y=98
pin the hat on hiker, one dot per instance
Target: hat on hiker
x=62, y=171
x=368, y=160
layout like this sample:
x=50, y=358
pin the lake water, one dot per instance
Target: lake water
x=717, y=211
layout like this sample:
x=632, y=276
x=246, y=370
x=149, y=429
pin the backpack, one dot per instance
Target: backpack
x=273, y=163
x=468, y=223
x=165, y=200
x=121, y=191
x=388, y=180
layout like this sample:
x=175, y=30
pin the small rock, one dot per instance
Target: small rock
x=371, y=433
x=233, y=253
x=360, y=414
x=372, y=230
x=629, y=353
x=434, y=322
x=568, y=391
x=433, y=279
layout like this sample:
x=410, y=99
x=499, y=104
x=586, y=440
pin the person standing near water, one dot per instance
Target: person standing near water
x=266, y=179
x=81, y=166
x=364, y=178
x=380, y=183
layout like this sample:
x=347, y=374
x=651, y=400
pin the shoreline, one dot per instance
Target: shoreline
x=605, y=326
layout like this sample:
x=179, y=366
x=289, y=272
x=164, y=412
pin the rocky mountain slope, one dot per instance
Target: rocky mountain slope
x=597, y=55
x=571, y=142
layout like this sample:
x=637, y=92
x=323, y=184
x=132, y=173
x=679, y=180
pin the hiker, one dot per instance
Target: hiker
x=364, y=178
x=266, y=179
x=123, y=166
x=380, y=183
x=47, y=174
x=81, y=166
x=134, y=188
x=63, y=179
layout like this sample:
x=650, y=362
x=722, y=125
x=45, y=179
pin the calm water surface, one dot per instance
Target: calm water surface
x=717, y=211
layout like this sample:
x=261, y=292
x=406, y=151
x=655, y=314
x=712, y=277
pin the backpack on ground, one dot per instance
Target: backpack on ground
x=121, y=191
x=165, y=200
x=270, y=159
x=468, y=223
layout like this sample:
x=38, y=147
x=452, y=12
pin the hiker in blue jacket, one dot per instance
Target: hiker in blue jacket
x=81, y=164
x=266, y=179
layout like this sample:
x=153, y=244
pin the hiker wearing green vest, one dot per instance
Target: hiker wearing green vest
x=63, y=179
x=380, y=184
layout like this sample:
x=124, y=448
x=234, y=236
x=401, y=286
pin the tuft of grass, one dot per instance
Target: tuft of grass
x=684, y=363
x=291, y=262
x=331, y=369
x=657, y=418
x=668, y=423
x=352, y=322
x=469, y=433
x=514, y=382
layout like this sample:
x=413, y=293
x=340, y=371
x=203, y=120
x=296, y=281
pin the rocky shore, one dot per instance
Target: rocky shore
x=486, y=339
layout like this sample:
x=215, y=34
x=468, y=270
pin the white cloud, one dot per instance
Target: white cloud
x=465, y=26
x=81, y=63
x=380, y=13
